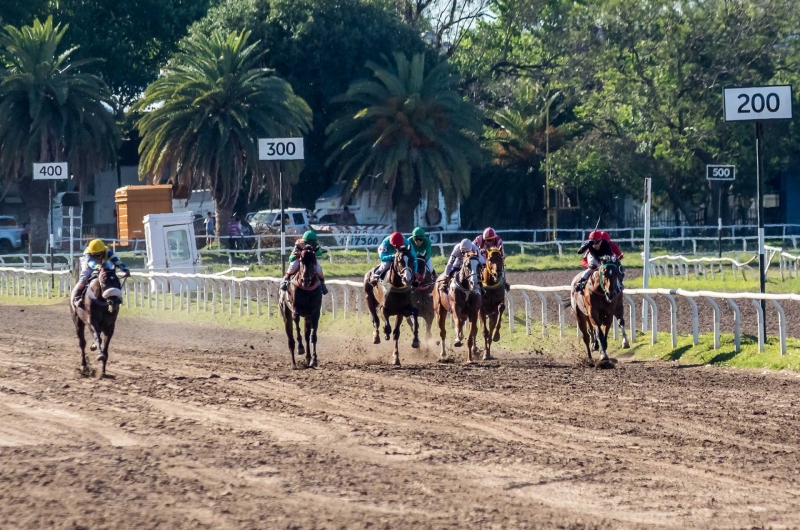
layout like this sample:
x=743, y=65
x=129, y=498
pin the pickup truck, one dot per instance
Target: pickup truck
x=10, y=234
x=298, y=220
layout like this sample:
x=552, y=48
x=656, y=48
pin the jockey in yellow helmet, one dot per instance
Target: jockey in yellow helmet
x=97, y=254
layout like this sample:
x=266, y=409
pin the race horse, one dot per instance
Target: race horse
x=98, y=310
x=303, y=299
x=464, y=301
x=392, y=296
x=421, y=295
x=598, y=304
x=494, y=296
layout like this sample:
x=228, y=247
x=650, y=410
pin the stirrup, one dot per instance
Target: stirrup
x=580, y=286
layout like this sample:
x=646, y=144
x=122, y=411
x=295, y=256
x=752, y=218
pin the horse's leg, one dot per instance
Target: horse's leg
x=459, y=325
x=620, y=314
x=300, y=348
x=398, y=319
x=597, y=325
x=372, y=305
x=80, y=329
x=314, y=325
x=499, y=322
x=583, y=325
x=486, y=320
x=109, y=332
x=287, y=325
x=472, y=346
x=441, y=320
x=415, y=326
x=307, y=329
x=387, y=328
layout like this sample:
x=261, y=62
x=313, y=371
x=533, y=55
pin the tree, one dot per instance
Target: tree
x=201, y=119
x=51, y=112
x=319, y=47
x=409, y=130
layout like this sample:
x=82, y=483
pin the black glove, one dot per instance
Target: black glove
x=585, y=246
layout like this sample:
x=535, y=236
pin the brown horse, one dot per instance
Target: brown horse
x=393, y=297
x=98, y=311
x=464, y=300
x=494, y=296
x=422, y=297
x=303, y=299
x=598, y=304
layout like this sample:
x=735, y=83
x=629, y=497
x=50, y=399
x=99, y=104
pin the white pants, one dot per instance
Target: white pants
x=382, y=268
x=295, y=266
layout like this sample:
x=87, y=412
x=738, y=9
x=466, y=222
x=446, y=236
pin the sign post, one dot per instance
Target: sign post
x=759, y=104
x=280, y=149
x=716, y=172
x=51, y=171
x=646, y=271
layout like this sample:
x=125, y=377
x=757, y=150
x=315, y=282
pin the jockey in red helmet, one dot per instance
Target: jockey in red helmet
x=386, y=252
x=598, y=245
x=488, y=240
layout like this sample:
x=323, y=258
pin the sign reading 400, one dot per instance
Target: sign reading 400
x=280, y=149
x=50, y=171
x=758, y=103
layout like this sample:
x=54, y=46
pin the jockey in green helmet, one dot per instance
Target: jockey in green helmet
x=422, y=245
x=309, y=239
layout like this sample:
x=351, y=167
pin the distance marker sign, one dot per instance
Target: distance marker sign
x=758, y=103
x=718, y=172
x=50, y=171
x=280, y=149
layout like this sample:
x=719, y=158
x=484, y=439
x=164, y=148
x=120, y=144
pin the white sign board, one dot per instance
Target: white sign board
x=758, y=103
x=50, y=171
x=280, y=149
x=715, y=172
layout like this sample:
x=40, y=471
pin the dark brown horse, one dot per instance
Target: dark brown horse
x=598, y=304
x=393, y=297
x=464, y=301
x=98, y=311
x=422, y=296
x=303, y=299
x=494, y=297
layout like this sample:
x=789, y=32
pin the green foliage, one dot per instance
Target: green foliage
x=319, y=47
x=409, y=130
x=201, y=119
x=52, y=111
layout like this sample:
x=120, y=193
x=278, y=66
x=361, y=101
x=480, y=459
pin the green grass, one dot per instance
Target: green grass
x=728, y=284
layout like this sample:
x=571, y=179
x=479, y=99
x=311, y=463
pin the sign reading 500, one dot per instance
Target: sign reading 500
x=758, y=103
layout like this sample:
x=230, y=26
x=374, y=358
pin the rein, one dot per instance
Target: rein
x=600, y=276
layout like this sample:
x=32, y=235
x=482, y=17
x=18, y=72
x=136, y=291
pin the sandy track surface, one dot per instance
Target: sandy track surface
x=196, y=429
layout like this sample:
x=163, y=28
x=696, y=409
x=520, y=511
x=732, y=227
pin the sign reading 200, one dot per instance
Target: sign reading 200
x=758, y=103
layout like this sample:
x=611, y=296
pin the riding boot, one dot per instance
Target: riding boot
x=77, y=294
x=582, y=282
x=285, y=283
x=323, y=287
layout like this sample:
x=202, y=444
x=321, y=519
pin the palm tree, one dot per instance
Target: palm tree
x=201, y=119
x=51, y=112
x=410, y=131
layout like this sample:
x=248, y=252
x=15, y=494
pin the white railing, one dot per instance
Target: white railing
x=679, y=266
x=259, y=296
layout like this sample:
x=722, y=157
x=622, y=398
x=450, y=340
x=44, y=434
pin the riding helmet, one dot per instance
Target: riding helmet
x=397, y=240
x=418, y=232
x=96, y=246
x=489, y=233
x=310, y=235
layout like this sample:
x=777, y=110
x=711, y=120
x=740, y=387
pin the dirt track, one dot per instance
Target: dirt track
x=198, y=430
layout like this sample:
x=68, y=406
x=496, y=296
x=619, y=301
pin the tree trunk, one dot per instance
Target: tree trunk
x=224, y=212
x=35, y=194
x=406, y=204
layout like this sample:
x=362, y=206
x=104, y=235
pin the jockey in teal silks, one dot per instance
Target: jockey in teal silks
x=387, y=250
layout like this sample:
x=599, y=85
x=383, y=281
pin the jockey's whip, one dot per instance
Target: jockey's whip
x=602, y=210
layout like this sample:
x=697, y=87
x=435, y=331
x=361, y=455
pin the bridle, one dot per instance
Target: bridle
x=601, y=272
x=401, y=266
x=308, y=259
x=495, y=275
x=469, y=272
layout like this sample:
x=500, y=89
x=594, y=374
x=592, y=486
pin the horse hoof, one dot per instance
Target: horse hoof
x=603, y=357
x=396, y=361
x=415, y=343
x=102, y=358
x=314, y=364
x=386, y=337
x=93, y=347
x=458, y=344
x=376, y=340
x=625, y=344
x=496, y=337
x=488, y=357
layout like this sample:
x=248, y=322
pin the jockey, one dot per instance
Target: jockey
x=598, y=245
x=309, y=239
x=488, y=240
x=387, y=250
x=456, y=259
x=96, y=255
x=421, y=244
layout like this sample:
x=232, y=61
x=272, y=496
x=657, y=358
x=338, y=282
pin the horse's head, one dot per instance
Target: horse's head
x=493, y=271
x=308, y=267
x=423, y=274
x=469, y=273
x=110, y=288
x=402, y=267
x=609, y=277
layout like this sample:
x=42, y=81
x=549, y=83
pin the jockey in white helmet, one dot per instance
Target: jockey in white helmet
x=456, y=259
